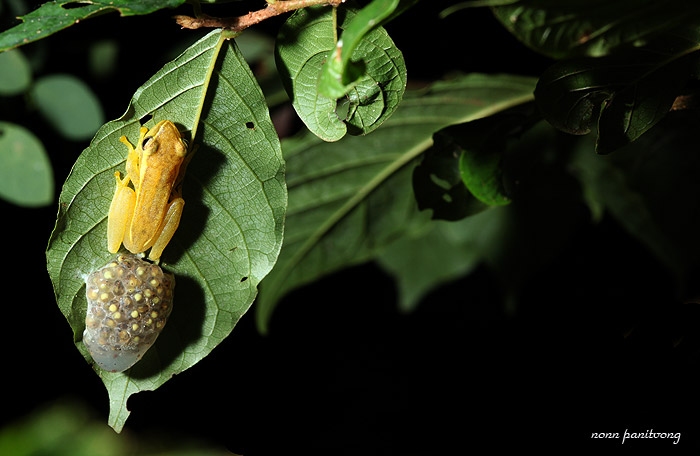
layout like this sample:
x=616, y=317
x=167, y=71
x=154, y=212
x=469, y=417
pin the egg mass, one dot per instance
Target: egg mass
x=129, y=301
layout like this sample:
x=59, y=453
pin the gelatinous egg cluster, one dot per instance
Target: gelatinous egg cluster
x=129, y=301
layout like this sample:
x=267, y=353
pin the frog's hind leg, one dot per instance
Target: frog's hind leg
x=170, y=223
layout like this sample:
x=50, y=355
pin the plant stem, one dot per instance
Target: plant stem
x=240, y=23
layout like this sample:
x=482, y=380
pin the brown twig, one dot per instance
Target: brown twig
x=240, y=23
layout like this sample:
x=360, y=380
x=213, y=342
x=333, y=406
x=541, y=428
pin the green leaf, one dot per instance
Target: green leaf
x=231, y=229
x=481, y=174
x=650, y=188
x=474, y=4
x=339, y=74
x=608, y=185
x=69, y=106
x=488, y=144
x=437, y=182
x=463, y=173
x=54, y=16
x=349, y=200
x=624, y=95
x=631, y=60
x=15, y=73
x=594, y=28
x=67, y=428
x=26, y=176
x=513, y=241
x=441, y=253
x=259, y=51
x=305, y=43
x=103, y=58
x=61, y=429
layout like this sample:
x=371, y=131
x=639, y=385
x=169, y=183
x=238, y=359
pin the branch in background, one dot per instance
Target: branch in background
x=240, y=23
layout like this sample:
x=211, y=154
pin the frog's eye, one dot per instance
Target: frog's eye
x=146, y=142
x=129, y=301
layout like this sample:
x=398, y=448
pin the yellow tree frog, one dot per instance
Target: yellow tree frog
x=148, y=215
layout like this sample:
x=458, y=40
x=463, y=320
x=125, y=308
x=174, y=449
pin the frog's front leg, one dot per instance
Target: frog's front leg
x=170, y=223
x=121, y=211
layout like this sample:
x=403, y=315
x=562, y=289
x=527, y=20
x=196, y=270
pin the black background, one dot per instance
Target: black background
x=599, y=342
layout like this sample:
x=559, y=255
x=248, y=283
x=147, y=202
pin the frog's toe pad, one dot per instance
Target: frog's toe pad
x=129, y=301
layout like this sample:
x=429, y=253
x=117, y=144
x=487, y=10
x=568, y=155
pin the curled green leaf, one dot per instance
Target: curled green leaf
x=306, y=42
x=339, y=73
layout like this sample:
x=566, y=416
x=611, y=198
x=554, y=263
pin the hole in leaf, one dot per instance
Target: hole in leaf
x=243, y=279
x=74, y=5
x=440, y=182
x=342, y=108
x=143, y=120
x=250, y=125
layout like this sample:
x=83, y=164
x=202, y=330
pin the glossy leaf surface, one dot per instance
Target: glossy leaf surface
x=624, y=96
x=594, y=28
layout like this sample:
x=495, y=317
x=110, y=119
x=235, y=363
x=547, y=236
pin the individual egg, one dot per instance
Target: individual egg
x=129, y=301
